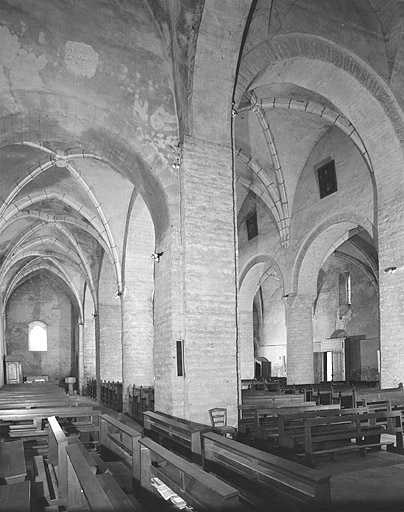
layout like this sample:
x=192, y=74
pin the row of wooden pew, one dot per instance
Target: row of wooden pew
x=24, y=413
x=333, y=393
x=269, y=475
x=258, y=415
x=215, y=482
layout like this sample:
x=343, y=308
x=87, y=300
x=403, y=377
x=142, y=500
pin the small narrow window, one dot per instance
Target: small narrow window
x=37, y=337
x=348, y=290
x=327, y=179
x=252, y=226
x=345, y=289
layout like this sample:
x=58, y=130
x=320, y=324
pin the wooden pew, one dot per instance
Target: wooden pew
x=277, y=475
x=87, y=491
x=12, y=461
x=291, y=424
x=57, y=443
x=198, y=488
x=15, y=497
x=266, y=425
x=51, y=472
x=394, y=395
x=262, y=399
x=33, y=402
x=33, y=422
x=365, y=429
x=161, y=427
x=122, y=440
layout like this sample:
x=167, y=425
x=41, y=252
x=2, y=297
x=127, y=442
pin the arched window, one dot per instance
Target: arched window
x=345, y=289
x=37, y=337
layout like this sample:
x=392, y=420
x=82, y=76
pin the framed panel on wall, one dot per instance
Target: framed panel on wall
x=327, y=179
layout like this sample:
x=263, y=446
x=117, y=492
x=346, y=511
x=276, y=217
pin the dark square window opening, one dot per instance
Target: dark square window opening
x=327, y=179
x=252, y=226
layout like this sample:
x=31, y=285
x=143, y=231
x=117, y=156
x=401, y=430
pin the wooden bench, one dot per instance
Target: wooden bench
x=324, y=435
x=88, y=491
x=27, y=396
x=161, y=427
x=275, y=474
x=198, y=488
x=263, y=399
x=15, y=497
x=33, y=422
x=51, y=471
x=266, y=424
x=122, y=440
x=394, y=395
x=291, y=424
x=12, y=461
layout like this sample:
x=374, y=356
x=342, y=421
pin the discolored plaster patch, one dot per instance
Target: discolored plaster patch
x=81, y=59
x=162, y=120
x=19, y=67
x=140, y=107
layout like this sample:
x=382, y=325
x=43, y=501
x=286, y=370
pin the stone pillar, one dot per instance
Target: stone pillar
x=391, y=284
x=299, y=327
x=208, y=270
x=247, y=356
x=80, y=369
x=137, y=302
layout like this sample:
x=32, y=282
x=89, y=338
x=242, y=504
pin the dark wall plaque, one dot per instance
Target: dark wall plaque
x=327, y=179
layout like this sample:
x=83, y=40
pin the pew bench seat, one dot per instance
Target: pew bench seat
x=276, y=474
x=12, y=461
x=198, y=488
x=33, y=422
x=15, y=497
x=161, y=427
x=322, y=435
x=89, y=491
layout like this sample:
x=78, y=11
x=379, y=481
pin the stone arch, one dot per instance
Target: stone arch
x=219, y=39
x=48, y=117
x=256, y=270
x=317, y=247
x=320, y=65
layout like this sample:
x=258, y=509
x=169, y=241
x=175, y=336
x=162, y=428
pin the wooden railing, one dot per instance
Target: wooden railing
x=91, y=389
x=141, y=399
x=110, y=393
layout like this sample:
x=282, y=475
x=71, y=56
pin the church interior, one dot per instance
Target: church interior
x=253, y=245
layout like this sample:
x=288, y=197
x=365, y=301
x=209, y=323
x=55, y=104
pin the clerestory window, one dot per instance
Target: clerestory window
x=37, y=337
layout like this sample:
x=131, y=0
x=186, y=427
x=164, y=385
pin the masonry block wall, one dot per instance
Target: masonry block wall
x=210, y=352
x=41, y=298
x=272, y=342
x=364, y=318
x=110, y=326
x=137, y=299
x=89, y=348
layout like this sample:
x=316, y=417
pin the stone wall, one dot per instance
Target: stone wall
x=41, y=298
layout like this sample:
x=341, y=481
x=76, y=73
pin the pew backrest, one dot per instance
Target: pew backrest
x=82, y=482
x=275, y=473
x=166, y=427
x=120, y=439
x=198, y=488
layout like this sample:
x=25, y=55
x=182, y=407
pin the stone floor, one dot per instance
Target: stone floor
x=374, y=483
